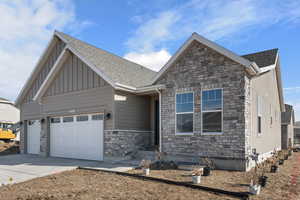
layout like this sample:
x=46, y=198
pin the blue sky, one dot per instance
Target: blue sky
x=149, y=32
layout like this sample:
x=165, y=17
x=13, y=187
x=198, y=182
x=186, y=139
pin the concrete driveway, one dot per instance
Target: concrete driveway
x=18, y=168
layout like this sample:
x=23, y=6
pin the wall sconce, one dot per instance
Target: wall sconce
x=107, y=116
x=42, y=120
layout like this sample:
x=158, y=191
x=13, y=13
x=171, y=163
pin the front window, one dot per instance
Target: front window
x=212, y=111
x=184, y=113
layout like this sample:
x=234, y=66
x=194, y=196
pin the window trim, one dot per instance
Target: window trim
x=210, y=111
x=193, y=112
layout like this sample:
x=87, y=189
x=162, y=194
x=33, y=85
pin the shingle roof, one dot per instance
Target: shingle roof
x=262, y=58
x=287, y=115
x=116, y=68
x=6, y=101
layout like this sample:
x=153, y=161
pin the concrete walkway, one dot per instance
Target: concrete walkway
x=18, y=168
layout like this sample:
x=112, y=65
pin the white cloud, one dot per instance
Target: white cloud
x=152, y=60
x=26, y=27
x=215, y=20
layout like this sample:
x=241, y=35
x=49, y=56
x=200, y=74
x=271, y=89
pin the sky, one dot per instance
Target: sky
x=149, y=32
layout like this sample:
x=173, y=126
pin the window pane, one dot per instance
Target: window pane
x=259, y=124
x=97, y=117
x=68, y=119
x=184, y=102
x=212, y=122
x=82, y=118
x=184, y=123
x=55, y=120
x=212, y=100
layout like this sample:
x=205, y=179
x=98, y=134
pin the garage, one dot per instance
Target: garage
x=77, y=136
x=33, y=136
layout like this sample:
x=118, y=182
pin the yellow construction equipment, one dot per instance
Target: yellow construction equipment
x=6, y=131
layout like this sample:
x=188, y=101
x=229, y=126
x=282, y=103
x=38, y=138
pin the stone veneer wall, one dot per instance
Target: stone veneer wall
x=23, y=139
x=120, y=143
x=198, y=68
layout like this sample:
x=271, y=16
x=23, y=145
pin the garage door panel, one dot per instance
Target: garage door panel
x=81, y=138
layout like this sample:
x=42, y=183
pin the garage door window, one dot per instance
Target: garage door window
x=68, y=119
x=97, y=117
x=82, y=118
x=31, y=122
x=55, y=120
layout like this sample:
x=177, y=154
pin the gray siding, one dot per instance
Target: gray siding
x=85, y=101
x=75, y=76
x=76, y=89
x=265, y=86
x=133, y=113
x=47, y=66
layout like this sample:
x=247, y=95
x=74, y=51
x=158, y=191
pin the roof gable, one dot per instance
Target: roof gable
x=42, y=68
x=118, y=69
x=250, y=66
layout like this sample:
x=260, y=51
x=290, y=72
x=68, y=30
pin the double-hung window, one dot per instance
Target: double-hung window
x=184, y=113
x=212, y=111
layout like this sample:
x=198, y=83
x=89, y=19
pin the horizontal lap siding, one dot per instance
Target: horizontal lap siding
x=133, y=113
x=86, y=101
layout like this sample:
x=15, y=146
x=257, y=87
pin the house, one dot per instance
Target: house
x=287, y=127
x=83, y=102
x=297, y=134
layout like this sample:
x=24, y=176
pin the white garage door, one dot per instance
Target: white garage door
x=33, y=136
x=78, y=136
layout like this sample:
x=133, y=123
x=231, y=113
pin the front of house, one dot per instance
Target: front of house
x=85, y=103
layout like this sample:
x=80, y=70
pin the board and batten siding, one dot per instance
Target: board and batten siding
x=132, y=112
x=75, y=76
x=47, y=66
x=28, y=108
x=76, y=89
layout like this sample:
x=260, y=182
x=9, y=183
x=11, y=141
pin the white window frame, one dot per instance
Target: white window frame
x=202, y=111
x=187, y=133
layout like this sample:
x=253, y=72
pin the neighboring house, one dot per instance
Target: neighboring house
x=297, y=134
x=287, y=127
x=83, y=102
x=9, y=114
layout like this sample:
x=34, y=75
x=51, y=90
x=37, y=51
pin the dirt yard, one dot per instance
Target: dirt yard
x=8, y=148
x=91, y=185
x=82, y=184
x=282, y=185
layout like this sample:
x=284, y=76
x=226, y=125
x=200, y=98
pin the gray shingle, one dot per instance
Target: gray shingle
x=262, y=58
x=118, y=69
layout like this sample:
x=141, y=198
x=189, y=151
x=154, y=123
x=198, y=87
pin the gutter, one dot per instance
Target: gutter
x=119, y=86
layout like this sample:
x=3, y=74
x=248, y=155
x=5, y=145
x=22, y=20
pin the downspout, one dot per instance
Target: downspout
x=160, y=141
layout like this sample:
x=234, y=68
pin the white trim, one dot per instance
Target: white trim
x=222, y=111
x=160, y=134
x=184, y=133
x=267, y=68
x=50, y=75
x=253, y=68
x=32, y=75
